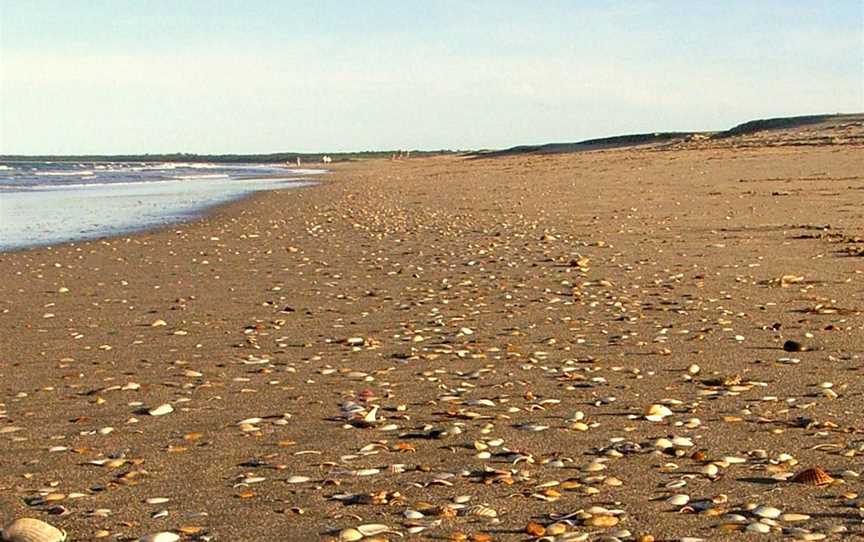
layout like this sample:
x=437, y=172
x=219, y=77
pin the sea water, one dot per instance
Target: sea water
x=44, y=203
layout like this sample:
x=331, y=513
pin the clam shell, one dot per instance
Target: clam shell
x=814, y=477
x=371, y=529
x=160, y=537
x=32, y=530
x=161, y=410
x=656, y=412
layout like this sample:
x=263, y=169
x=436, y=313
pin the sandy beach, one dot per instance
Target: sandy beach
x=459, y=349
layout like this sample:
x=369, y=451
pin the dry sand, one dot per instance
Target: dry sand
x=482, y=305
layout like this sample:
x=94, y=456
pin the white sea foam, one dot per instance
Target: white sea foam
x=86, y=173
x=202, y=176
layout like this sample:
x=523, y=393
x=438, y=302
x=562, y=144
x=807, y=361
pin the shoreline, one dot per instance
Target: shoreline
x=292, y=183
x=471, y=301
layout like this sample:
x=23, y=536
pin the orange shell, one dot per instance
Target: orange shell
x=814, y=476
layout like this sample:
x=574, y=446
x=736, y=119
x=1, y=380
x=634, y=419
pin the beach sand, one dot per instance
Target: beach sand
x=482, y=304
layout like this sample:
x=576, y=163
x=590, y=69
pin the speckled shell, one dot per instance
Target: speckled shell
x=814, y=477
x=32, y=530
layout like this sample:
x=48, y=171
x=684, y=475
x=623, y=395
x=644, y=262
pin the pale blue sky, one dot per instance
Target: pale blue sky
x=264, y=76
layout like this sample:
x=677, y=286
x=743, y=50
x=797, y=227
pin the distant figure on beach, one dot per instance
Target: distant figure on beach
x=298, y=160
x=326, y=159
x=400, y=155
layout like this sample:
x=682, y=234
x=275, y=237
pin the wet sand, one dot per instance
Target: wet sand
x=511, y=319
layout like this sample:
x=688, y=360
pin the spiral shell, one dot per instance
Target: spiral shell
x=32, y=530
x=814, y=477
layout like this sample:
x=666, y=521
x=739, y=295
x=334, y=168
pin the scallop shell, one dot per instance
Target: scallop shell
x=481, y=510
x=32, y=530
x=814, y=477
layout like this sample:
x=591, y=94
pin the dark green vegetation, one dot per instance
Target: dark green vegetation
x=782, y=123
x=591, y=144
x=659, y=138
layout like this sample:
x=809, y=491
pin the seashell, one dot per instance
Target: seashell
x=682, y=442
x=350, y=535
x=656, y=413
x=535, y=529
x=372, y=415
x=792, y=518
x=710, y=470
x=160, y=537
x=764, y=511
x=602, y=521
x=372, y=529
x=161, y=410
x=297, y=479
x=481, y=511
x=758, y=527
x=32, y=530
x=678, y=500
x=815, y=476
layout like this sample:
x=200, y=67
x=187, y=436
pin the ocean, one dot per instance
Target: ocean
x=43, y=203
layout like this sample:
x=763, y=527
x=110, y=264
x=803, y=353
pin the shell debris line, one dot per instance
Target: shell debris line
x=629, y=345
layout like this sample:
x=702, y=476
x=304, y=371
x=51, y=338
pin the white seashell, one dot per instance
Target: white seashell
x=157, y=500
x=371, y=529
x=297, y=479
x=160, y=537
x=766, y=512
x=32, y=530
x=732, y=460
x=656, y=413
x=710, y=470
x=250, y=421
x=350, y=535
x=413, y=514
x=161, y=410
x=792, y=518
x=678, y=500
x=372, y=415
x=682, y=442
x=662, y=443
x=758, y=528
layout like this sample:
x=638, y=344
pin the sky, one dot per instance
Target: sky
x=255, y=76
